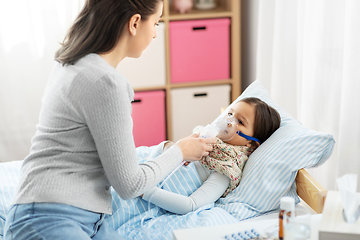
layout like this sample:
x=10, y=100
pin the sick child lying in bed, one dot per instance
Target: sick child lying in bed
x=254, y=122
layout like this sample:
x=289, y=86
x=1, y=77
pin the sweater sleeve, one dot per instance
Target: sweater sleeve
x=106, y=108
x=209, y=192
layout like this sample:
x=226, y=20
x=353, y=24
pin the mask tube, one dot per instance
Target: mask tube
x=248, y=137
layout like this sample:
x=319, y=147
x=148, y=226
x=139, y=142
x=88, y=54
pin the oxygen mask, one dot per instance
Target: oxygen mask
x=226, y=127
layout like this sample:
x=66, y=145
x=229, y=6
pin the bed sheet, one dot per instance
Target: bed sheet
x=9, y=177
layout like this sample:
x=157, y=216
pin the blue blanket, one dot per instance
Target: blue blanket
x=138, y=219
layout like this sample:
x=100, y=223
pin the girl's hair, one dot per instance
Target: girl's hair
x=99, y=25
x=267, y=119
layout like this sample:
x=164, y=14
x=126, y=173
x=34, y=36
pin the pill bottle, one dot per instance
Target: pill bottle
x=287, y=207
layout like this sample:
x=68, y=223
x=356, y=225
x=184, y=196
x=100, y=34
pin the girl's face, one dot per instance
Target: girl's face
x=146, y=32
x=244, y=114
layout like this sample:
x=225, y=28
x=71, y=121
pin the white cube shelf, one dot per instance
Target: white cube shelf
x=195, y=106
x=149, y=70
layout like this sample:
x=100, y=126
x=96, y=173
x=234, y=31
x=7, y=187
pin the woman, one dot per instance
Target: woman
x=84, y=142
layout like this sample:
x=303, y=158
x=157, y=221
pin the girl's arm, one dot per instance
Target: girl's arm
x=209, y=192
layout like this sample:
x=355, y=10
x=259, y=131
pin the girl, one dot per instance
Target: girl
x=221, y=171
x=84, y=142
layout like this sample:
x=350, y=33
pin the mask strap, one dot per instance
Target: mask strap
x=248, y=137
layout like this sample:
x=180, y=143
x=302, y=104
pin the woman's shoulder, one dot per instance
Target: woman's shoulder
x=90, y=77
x=95, y=68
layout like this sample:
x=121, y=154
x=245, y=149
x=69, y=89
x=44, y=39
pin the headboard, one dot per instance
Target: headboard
x=310, y=191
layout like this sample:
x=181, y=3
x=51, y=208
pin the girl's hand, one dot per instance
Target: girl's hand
x=194, y=148
x=167, y=145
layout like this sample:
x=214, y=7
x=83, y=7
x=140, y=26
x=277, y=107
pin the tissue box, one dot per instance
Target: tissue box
x=332, y=225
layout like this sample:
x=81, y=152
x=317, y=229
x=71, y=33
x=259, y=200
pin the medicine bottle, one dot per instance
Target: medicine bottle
x=287, y=207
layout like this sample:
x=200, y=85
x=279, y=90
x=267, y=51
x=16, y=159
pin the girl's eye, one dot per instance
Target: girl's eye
x=240, y=122
x=230, y=114
x=157, y=24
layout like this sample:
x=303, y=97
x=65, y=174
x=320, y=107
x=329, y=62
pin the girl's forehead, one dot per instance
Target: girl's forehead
x=244, y=110
x=242, y=105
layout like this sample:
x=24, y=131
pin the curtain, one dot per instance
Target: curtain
x=308, y=58
x=30, y=32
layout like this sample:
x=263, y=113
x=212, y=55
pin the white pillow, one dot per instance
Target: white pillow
x=271, y=169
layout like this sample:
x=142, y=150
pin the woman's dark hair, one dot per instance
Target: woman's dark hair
x=267, y=119
x=99, y=25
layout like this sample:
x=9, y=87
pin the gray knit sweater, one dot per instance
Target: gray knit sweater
x=84, y=142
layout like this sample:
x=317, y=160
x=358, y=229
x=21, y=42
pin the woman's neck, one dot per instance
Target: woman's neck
x=116, y=55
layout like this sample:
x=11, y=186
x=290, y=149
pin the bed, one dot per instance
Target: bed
x=274, y=170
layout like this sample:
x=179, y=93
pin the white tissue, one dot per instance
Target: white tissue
x=350, y=200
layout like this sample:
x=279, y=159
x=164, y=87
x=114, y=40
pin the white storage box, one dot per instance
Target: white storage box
x=195, y=106
x=149, y=69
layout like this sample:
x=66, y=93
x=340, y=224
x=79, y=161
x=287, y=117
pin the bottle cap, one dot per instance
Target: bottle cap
x=287, y=203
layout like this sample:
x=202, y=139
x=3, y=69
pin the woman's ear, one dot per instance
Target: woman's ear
x=134, y=23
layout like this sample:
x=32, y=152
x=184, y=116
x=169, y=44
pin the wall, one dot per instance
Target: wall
x=249, y=14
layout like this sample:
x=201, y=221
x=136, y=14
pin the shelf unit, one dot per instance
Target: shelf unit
x=225, y=9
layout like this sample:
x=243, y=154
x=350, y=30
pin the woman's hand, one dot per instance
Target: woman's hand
x=194, y=148
x=167, y=145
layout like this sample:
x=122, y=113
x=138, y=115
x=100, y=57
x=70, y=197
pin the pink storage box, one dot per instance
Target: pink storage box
x=148, y=114
x=199, y=50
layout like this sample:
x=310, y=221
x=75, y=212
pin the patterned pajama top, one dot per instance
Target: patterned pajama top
x=228, y=160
